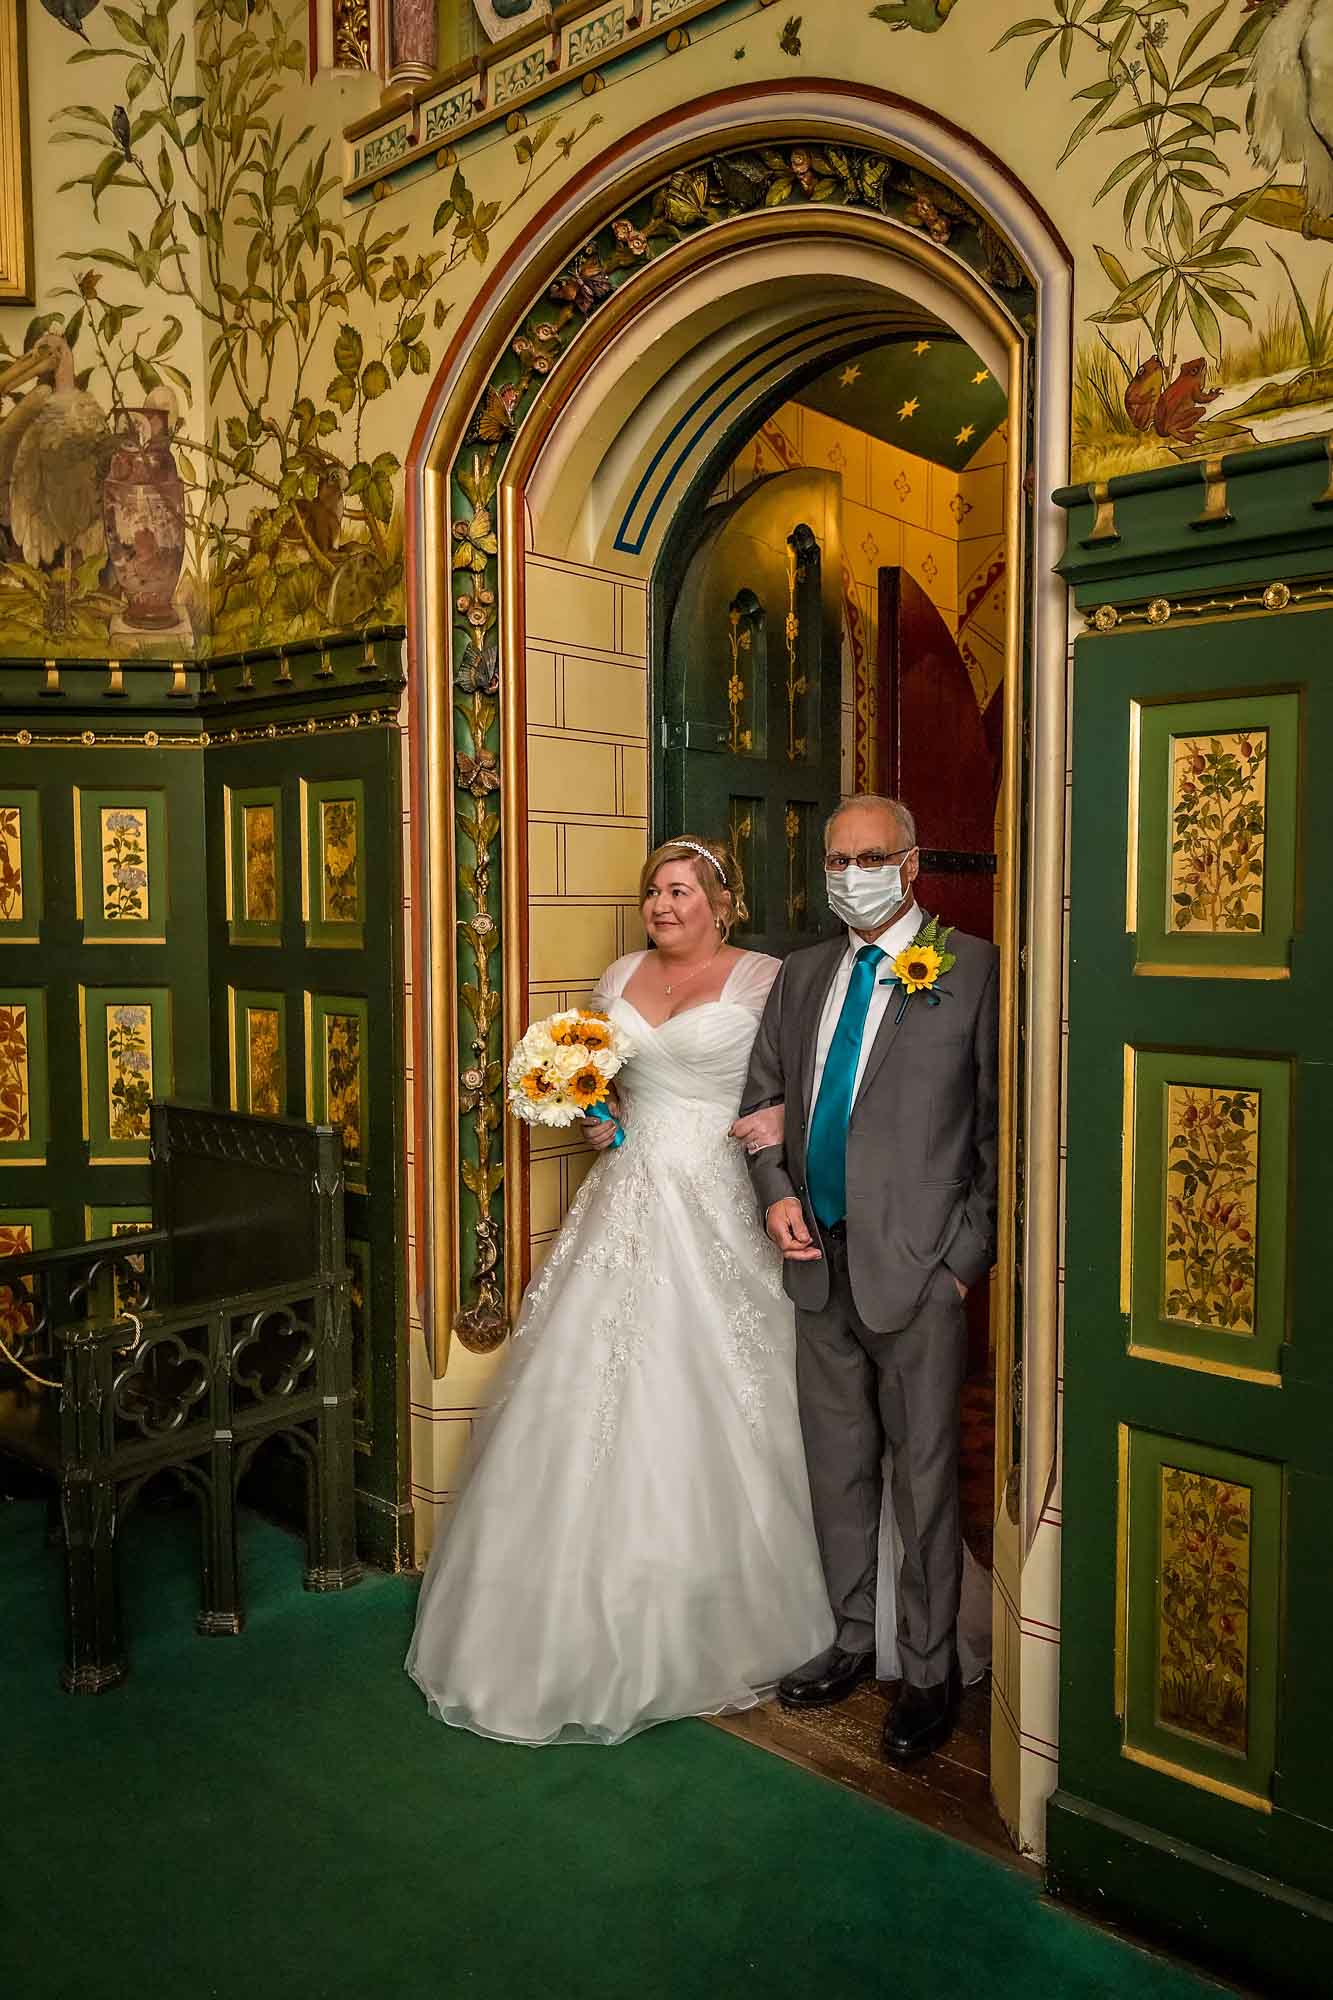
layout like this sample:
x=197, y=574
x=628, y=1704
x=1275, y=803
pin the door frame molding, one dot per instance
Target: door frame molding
x=815, y=111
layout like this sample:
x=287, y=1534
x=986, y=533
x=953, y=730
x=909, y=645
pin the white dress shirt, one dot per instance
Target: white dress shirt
x=895, y=939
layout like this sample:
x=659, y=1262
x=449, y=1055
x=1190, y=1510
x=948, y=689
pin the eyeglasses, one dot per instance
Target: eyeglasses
x=871, y=859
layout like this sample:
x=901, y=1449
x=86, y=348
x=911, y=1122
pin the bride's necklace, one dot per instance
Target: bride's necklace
x=684, y=978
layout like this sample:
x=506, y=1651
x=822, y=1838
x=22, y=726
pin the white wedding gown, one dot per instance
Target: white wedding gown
x=635, y=1540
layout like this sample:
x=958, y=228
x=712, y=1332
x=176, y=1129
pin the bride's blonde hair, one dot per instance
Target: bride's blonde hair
x=716, y=870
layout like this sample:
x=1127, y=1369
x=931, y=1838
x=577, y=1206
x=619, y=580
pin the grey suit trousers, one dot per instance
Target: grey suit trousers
x=860, y=1390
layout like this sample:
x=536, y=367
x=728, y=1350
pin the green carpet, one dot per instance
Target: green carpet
x=276, y=1815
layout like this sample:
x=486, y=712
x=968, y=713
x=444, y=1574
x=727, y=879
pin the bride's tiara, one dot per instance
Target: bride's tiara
x=696, y=847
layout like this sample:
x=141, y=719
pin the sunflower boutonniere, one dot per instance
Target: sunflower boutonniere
x=920, y=965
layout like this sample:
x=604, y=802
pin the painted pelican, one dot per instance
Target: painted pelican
x=55, y=446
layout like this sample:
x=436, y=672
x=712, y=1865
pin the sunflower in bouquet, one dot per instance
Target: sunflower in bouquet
x=562, y=1069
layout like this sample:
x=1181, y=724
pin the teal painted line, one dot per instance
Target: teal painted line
x=633, y=547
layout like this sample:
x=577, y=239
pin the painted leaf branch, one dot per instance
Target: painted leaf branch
x=1158, y=106
x=1205, y=1606
x=292, y=513
x=1212, y=1209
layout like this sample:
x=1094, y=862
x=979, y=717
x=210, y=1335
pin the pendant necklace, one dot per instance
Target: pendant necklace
x=682, y=979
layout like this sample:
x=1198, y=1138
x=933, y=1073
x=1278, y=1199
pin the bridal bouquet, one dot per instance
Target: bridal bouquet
x=562, y=1069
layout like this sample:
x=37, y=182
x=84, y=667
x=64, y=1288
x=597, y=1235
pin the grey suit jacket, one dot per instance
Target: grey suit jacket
x=922, y=1140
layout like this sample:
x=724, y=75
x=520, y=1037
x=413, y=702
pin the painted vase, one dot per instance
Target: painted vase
x=143, y=511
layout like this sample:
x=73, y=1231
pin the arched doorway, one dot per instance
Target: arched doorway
x=647, y=320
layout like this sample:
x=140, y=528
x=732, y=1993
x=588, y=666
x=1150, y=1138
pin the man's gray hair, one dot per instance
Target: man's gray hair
x=895, y=806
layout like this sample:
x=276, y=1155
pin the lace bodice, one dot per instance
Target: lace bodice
x=698, y=1058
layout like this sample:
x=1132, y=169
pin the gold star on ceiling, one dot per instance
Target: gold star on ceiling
x=909, y=408
x=850, y=375
x=922, y=347
x=965, y=434
x=982, y=375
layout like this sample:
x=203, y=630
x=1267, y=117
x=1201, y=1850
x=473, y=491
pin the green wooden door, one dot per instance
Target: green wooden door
x=752, y=698
x=1197, y=1636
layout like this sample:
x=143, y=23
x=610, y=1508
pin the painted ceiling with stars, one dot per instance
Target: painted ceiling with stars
x=932, y=397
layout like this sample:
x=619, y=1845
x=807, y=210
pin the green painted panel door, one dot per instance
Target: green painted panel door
x=752, y=698
x=1198, y=1474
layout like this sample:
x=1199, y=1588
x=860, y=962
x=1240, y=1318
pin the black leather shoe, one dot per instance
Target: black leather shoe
x=825, y=1680
x=920, y=1721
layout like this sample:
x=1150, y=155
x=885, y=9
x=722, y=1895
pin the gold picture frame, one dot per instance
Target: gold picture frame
x=16, y=266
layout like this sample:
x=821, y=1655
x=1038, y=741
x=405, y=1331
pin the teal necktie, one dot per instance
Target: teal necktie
x=826, y=1148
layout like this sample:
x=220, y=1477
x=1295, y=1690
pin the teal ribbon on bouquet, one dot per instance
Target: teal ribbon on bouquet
x=605, y=1117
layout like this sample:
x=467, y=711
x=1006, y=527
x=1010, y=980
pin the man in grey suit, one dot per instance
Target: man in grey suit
x=882, y=1199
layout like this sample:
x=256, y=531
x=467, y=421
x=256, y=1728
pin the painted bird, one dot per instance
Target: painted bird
x=71, y=13
x=55, y=446
x=1291, y=107
x=926, y=16
x=1142, y=391
x=120, y=129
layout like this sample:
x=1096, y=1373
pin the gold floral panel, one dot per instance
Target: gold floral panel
x=123, y=847
x=1201, y=1550
x=333, y=863
x=127, y=1062
x=253, y=825
x=19, y=1233
x=747, y=829
x=1205, y=1210
x=342, y=1067
x=258, y=1053
x=800, y=828
x=20, y=867
x=122, y=1287
x=260, y=863
x=120, y=884
x=1203, y=1626
x=1213, y=1200
x=129, y=1070
x=337, y=1044
x=23, y=1076
x=15, y=1239
x=15, y=1089
x=11, y=865
x=1214, y=804
x=264, y=1048
x=1219, y=787
x=339, y=894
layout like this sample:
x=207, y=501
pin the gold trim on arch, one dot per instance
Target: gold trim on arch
x=439, y=1142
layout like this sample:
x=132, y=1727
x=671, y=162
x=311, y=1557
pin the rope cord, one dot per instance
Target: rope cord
x=42, y=1381
x=45, y=1381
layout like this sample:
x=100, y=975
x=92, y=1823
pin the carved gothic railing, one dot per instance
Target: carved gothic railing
x=184, y=1350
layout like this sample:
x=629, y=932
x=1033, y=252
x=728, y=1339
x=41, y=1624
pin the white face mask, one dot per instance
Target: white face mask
x=865, y=898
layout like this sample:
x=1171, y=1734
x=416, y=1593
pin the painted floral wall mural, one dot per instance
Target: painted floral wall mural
x=1184, y=357
x=204, y=420
x=148, y=509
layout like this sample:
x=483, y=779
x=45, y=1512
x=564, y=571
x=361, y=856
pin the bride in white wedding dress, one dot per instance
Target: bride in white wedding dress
x=635, y=1540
